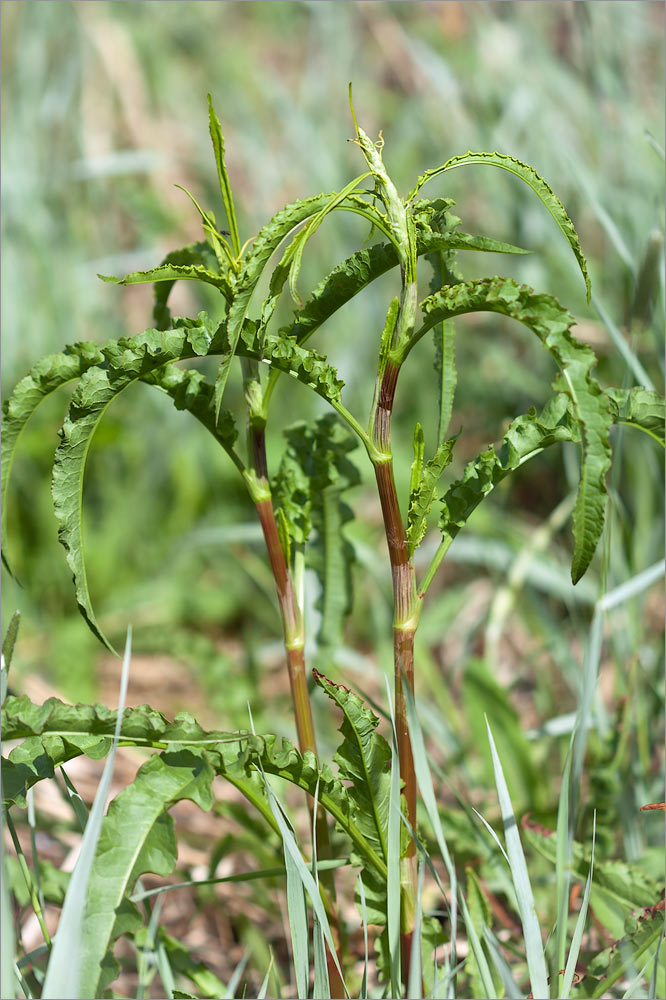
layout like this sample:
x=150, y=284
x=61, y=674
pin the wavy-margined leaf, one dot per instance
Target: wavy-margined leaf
x=49, y=374
x=589, y=405
x=423, y=495
x=171, y=271
x=199, y=254
x=314, y=473
x=526, y=436
x=529, y=175
x=129, y=360
x=360, y=269
x=363, y=760
x=640, y=408
x=265, y=244
x=54, y=733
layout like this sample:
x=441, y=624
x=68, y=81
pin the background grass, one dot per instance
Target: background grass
x=104, y=110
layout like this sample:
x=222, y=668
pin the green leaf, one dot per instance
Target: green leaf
x=359, y=270
x=480, y=917
x=422, y=498
x=140, y=357
x=533, y=180
x=618, y=888
x=182, y=962
x=126, y=361
x=137, y=837
x=640, y=408
x=49, y=374
x=225, y=187
x=195, y=254
x=363, y=761
x=175, y=272
x=314, y=473
x=265, y=244
x=53, y=733
x=8, y=644
x=608, y=966
x=526, y=436
x=590, y=407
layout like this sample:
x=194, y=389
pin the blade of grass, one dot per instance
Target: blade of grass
x=563, y=869
x=264, y=985
x=502, y=966
x=146, y=964
x=536, y=961
x=165, y=971
x=7, y=937
x=574, y=950
x=232, y=985
x=64, y=968
x=424, y=781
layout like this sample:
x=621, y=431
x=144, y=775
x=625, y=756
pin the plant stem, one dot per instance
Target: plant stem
x=405, y=617
x=293, y=629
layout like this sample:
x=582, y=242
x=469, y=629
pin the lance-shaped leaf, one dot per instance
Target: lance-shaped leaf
x=265, y=244
x=526, y=437
x=529, y=175
x=217, y=139
x=171, y=271
x=49, y=374
x=640, y=408
x=363, y=760
x=423, y=495
x=137, y=358
x=590, y=407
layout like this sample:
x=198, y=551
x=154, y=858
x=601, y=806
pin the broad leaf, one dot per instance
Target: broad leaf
x=533, y=180
x=627, y=954
x=136, y=837
x=590, y=407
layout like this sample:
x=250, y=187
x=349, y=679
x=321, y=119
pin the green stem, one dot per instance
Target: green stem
x=29, y=881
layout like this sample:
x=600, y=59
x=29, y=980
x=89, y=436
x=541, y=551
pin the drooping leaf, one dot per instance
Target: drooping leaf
x=225, y=187
x=128, y=360
x=529, y=175
x=640, y=408
x=54, y=733
x=49, y=374
x=422, y=498
x=590, y=406
x=265, y=244
x=526, y=436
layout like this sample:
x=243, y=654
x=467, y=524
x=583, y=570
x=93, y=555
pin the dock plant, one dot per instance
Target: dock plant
x=363, y=803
